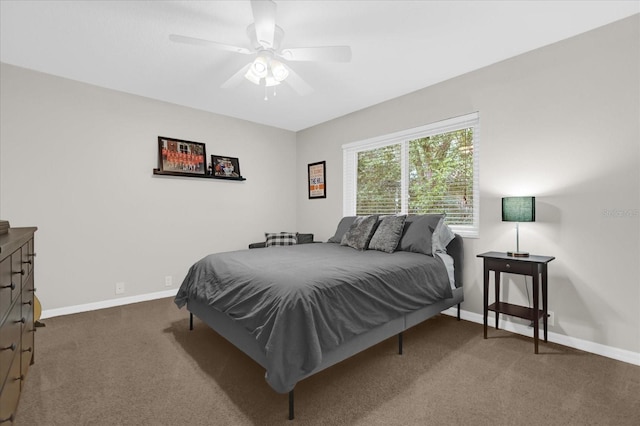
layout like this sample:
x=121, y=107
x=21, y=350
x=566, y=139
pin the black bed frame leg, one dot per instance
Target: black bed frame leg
x=400, y=343
x=190, y=321
x=458, y=312
x=291, y=404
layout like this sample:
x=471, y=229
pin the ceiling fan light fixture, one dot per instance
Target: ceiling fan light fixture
x=260, y=66
x=270, y=80
x=252, y=77
x=278, y=70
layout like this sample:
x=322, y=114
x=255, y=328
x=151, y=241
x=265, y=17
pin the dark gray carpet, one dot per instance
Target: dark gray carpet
x=140, y=365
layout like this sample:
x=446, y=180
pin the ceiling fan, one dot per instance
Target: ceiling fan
x=265, y=38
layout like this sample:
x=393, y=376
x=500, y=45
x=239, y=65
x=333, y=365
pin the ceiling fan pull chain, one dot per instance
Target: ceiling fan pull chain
x=265, y=93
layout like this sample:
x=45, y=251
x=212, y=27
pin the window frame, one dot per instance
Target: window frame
x=350, y=164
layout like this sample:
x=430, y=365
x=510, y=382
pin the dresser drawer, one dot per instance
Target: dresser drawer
x=28, y=327
x=26, y=349
x=28, y=256
x=26, y=302
x=18, y=273
x=10, y=332
x=10, y=392
x=8, y=290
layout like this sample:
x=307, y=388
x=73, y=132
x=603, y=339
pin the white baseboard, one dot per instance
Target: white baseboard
x=572, y=342
x=583, y=345
x=49, y=313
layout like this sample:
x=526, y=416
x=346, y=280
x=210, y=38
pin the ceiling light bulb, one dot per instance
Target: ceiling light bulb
x=279, y=71
x=252, y=77
x=260, y=67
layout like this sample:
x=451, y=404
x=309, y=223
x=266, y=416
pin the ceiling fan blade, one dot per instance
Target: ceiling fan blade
x=201, y=42
x=236, y=79
x=327, y=54
x=264, y=16
x=297, y=83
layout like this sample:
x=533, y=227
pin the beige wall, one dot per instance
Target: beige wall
x=560, y=123
x=77, y=160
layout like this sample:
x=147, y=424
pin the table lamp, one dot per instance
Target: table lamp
x=518, y=209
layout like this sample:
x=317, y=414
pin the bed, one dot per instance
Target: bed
x=298, y=309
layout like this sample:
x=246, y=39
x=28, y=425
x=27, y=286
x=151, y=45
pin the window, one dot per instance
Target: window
x=430, y=169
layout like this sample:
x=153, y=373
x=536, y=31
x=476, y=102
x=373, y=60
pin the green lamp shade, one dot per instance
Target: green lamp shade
x=519, y=209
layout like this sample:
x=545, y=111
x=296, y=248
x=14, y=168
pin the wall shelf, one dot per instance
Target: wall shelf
x=193, y=175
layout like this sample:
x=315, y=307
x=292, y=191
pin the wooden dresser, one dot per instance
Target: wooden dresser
x=16, y=316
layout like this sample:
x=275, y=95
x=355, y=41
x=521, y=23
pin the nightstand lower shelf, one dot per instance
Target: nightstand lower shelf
x=516, y=311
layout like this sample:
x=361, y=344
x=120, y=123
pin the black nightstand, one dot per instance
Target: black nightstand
x=534, y=266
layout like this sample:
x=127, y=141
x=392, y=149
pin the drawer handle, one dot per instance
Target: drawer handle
x=32, y=254
x=27, y=261
x=11, y=418
x=12, y=286
x=22, y=320
x=22, y=272
x=27, y=303
x=12, y=347
x=27, y=350
x=21, y=377
x=508, y=265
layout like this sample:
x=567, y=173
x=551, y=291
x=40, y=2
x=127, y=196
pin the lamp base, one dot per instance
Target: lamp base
x=518, y=254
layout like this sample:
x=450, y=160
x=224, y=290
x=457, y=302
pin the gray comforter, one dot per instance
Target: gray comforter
x=302, y=301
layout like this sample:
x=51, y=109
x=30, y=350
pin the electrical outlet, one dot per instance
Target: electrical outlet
x=119, y=288
x=551, y=318
x=168, y=281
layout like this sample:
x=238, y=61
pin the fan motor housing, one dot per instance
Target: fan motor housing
x=278, y=35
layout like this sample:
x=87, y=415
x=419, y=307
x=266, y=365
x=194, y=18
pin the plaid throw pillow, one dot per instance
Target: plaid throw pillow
x=281, y=239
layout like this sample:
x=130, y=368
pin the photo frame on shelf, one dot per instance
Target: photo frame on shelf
x=225, y=167
x=180, y=157
x=317, y=180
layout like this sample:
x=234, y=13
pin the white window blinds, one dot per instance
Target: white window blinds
x=430, y=169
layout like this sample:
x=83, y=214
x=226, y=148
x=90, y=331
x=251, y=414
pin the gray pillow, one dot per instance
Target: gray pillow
x=441, y=237
x=417, y=233
x=360, y=232
x=388, y=233
x=343, y=227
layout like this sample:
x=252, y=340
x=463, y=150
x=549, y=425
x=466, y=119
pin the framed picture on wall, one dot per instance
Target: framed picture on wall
x=317, y=180
x=181, y=157
x=225, y=167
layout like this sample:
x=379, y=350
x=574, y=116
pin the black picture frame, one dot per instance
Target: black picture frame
x=225, y=167
x=181, y=157
x=317, y=180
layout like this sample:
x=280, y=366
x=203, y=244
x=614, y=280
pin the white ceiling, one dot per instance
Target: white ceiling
x=398, y=47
